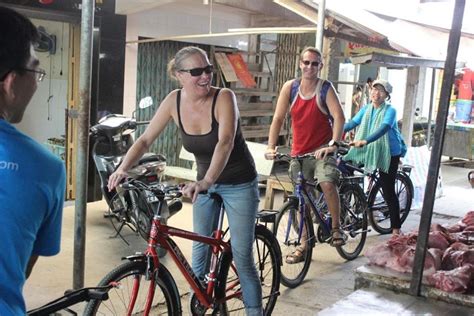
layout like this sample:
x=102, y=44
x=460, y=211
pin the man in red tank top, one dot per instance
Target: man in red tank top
x=313, y=131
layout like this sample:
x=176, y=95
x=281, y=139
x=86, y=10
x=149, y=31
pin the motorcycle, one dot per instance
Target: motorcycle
x=111, y=138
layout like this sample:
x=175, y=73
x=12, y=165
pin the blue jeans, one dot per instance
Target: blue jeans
x=241, y=205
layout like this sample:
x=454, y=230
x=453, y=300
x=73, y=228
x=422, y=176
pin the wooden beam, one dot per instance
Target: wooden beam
x=411, y=94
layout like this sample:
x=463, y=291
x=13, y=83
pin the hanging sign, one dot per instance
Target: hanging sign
x=226, y=67
x=242, y=71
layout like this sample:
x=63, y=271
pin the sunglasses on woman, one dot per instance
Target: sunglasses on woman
x=195, y=72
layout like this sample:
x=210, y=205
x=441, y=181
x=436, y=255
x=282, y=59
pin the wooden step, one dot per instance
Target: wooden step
x=259, y=131
x=261, y=74
x=244, y=106
x=255, y=113
x=255, y=92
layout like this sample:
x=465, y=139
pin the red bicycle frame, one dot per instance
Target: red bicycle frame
x=160, y=235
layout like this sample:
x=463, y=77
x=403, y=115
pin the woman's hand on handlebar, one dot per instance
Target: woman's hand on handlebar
x=358, y=143
x=115, y=179
x=192, y=189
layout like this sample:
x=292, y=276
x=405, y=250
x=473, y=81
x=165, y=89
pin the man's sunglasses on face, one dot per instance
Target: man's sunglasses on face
x=198, y=71
x=312, y=63
x=40, y=73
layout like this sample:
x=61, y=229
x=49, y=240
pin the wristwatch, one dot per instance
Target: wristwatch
x=332, y=142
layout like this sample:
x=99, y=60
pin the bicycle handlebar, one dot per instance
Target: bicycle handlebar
x=162, y=192
x=342, y=149
x=72, y=297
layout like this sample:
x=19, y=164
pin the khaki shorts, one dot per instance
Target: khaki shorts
x=324, y=170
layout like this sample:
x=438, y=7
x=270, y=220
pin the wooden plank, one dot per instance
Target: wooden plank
x=272, y=186
x=262, y=74
x=226, y=67
x=254, y=113
x=260, y=133
x=244, y=106
x=255, y=92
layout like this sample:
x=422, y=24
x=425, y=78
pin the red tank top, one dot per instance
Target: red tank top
x=311, y=127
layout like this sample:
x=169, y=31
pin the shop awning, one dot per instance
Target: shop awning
x=350, y=22
x=397, y=61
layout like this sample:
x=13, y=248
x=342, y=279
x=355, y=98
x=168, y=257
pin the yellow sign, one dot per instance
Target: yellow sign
x=352, y=49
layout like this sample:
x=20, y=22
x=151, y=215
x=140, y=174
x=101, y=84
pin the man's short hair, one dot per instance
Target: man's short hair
x=311, y=49
x=17, y=33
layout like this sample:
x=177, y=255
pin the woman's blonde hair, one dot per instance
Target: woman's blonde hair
x=176, y=63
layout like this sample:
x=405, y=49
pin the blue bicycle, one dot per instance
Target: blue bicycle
x=294, y=228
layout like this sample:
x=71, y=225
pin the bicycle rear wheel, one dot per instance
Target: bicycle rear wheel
x=286, y=231
x=131, y=275
x=353, y=220
x=267, y=260
x=379, y=214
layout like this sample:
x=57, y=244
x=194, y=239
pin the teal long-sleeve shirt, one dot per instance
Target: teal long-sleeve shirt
x=389, y=125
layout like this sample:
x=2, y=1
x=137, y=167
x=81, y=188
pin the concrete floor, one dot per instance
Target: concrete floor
x=330, y=278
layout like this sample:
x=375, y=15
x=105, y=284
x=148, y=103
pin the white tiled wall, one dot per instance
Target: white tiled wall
x=45, y=115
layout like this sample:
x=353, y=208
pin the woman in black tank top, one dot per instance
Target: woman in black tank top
x=210, y=128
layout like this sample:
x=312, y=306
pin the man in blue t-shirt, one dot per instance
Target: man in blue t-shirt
x=32, y=180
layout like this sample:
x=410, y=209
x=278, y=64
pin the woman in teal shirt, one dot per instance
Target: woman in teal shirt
x=378, y=144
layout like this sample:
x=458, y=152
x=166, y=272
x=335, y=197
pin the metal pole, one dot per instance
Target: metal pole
x=87, y=24
x=320, y=27
x=433, y=171
x=430, y=111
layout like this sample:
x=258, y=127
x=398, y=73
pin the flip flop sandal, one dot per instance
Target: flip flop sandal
x=338, y=238
x=295, y=257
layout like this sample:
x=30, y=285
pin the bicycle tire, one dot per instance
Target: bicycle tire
x=379, y=215
x=353, y=220
x=405, y=197
x=267, y=259
x=166, y=292
x=293, y=274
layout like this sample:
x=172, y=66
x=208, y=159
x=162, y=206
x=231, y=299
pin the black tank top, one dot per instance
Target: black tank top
x=240, y=167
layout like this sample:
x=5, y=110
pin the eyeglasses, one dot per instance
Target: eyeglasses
x=195, y=72
x=312, y=63
x=40, y=73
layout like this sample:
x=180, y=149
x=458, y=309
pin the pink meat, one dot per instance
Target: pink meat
x=456, y=228
x=468, y=219
x=439, y=228
x=378, y=254
x=398, y=244
x=438, y=239
x=453, y=258
x=405, y=262
x=456, y=280
x=437, y=257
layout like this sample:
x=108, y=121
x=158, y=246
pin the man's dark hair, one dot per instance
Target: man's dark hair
x=17, y=33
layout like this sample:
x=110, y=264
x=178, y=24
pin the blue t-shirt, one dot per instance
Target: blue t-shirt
x=389, y=124
x=32, y=187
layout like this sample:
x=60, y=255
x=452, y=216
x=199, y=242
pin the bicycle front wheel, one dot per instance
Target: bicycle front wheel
x=133, y=285
x=353, y=220
x=294, y=268
x=267, y=261
x=379, y=214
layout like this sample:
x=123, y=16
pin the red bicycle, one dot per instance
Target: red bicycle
x=147, y=286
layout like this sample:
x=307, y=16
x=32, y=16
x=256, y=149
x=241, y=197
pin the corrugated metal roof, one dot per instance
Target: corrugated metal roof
x=354, y=23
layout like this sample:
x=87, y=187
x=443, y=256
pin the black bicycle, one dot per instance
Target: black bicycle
x=378, y=212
